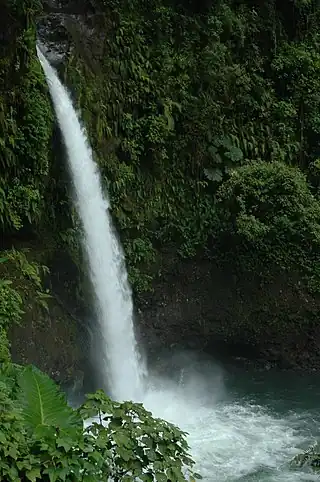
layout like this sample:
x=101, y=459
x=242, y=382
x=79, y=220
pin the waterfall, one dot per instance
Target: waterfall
x=118, y=356
x=232, y=436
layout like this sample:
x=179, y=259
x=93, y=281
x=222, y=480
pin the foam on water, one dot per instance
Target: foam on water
x=231, y=440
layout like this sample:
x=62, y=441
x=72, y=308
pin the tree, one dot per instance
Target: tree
x=270, y=207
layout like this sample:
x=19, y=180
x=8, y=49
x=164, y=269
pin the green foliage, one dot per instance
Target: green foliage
x=225, y=155
x=10, y=312
x=138, y=446
x=176, y=101
x=10, y=304
x=136, y=132
x=4, y=346
x=275, y=198
x=25, y=7
x=297, y=68
x=42, y=403
x=270, y=209
x=41, y=438
x=25, y=122
x=27, y=276
x=20, y=287
x=139, y=251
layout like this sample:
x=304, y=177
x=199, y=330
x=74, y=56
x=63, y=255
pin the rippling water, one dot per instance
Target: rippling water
x=243, y=425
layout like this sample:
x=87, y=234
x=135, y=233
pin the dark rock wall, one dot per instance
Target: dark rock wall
x=205, y=306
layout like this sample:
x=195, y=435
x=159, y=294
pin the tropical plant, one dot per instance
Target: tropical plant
x=270, y=209
x=174, y=98
x=42, y=438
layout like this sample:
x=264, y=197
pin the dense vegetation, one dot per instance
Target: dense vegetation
x=26, y=127
x=42, y=438
x=178, y=100
x=205, y=122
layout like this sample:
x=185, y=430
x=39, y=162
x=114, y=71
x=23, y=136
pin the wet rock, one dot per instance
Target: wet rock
x=200, y=305
x=53, y=38
x=62, y=25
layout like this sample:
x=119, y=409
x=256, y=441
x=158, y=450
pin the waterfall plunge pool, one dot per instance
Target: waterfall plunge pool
x=243, y=424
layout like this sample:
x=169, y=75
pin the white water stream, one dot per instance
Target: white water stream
x=118, y=357
x=230, y=440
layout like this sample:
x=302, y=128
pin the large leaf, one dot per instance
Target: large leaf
x=42, y=403
x=235, y=154
x=5, y=282
x=214, y=174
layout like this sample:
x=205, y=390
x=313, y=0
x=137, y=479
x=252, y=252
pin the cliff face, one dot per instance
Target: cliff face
x=175, y=100
x=55, y=25
x=205, y=303
x=216, y=308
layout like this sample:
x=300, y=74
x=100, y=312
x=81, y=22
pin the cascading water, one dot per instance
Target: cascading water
x=232, y=438
x=120, y=358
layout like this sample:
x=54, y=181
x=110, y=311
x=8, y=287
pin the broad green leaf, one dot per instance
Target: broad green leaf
x=148, y=442
x=42, y=403
x=65, y=443
x=124, y=454
x=235, y=154
x=12, y=452
x=146, y=478
x=33, y=474
x=151, y=455
x=51, y=472
x=5, y=282
x=213, y=174
x=161, y=478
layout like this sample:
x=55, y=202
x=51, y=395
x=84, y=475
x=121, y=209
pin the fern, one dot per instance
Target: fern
x=42, y=403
